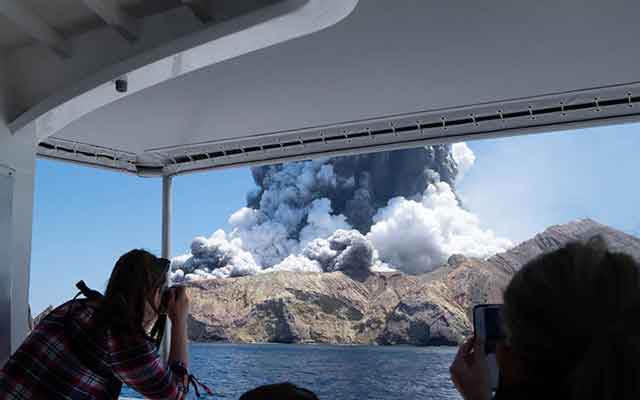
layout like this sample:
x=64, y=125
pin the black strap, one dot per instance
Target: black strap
x=180, y=369
x=157, y=331
x=195, y=383
x=88, y=293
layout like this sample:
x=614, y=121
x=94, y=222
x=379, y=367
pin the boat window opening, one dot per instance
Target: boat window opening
x=272, y=253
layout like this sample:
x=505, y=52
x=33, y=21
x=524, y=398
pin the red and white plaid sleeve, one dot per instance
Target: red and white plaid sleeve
x=137, y=363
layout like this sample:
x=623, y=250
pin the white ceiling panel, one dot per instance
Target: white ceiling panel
x=386, y=58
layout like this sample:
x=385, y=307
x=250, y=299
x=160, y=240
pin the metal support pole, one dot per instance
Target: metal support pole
x=166, y=216
x=165, y=346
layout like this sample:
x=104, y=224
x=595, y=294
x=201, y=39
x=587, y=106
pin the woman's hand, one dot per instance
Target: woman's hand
x=178, y=310
x=469, y=371
x=178, y=305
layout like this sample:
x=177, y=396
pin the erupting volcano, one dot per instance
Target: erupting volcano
x=395, y=210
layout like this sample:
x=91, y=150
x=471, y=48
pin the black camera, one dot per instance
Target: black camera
x=166, y=295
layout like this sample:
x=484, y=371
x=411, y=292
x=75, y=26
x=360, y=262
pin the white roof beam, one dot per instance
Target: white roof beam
x=34, y=26
x=111, y=13
x=199, y=9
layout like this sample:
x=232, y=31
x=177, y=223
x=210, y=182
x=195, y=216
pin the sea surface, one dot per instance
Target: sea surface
x=332, y=372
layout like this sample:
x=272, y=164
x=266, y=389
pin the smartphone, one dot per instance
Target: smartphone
x=487, y=324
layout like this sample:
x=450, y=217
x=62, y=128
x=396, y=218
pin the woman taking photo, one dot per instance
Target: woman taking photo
x=86, y=349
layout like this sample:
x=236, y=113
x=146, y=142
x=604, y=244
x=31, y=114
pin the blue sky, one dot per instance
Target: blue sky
x=85, y=218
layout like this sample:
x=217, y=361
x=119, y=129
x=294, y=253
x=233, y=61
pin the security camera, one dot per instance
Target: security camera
x=122, y=85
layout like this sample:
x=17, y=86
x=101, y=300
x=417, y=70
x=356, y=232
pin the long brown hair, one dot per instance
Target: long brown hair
x=135, y=279
x=573, y=318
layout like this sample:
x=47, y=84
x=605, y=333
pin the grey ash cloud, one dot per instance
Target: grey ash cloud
x=358, y=213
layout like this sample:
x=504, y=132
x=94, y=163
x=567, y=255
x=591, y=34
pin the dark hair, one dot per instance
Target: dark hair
x=134, y=281
x=573, y=318
x=279, y=391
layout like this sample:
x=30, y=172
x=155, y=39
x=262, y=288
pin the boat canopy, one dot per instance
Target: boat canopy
x=265, y=81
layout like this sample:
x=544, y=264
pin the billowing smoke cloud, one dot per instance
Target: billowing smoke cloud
x=419, y=235
x=356, y=186
x=464, y=158
x=353, y=214
x=217, y=256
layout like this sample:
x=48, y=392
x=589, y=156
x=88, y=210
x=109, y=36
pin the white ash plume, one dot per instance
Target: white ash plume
x=382, y=211
x=421, y=235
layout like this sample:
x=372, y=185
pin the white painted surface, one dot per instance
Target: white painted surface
x=167, y=214
x=6, y=212
x=38, y=75
x=272, y=25
x=385, y=58
x=17, y=153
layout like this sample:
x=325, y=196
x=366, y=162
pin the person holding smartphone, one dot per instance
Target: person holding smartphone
x=89, y=348
x=571, y=320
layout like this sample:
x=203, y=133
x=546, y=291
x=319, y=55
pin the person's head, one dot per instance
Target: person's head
x=279, y=391
x=572, y=319
x=132, y=297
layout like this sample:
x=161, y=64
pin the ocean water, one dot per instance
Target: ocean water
x=332, y=372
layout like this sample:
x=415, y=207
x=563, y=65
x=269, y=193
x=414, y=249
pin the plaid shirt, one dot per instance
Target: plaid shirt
x=64, y=358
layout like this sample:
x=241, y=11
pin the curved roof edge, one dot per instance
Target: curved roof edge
x=542, y=114
x=273, y=25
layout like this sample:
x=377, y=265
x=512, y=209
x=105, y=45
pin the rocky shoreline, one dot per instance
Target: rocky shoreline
x=379, y=308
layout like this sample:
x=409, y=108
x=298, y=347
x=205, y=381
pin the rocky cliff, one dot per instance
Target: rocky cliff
x=379, y=308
